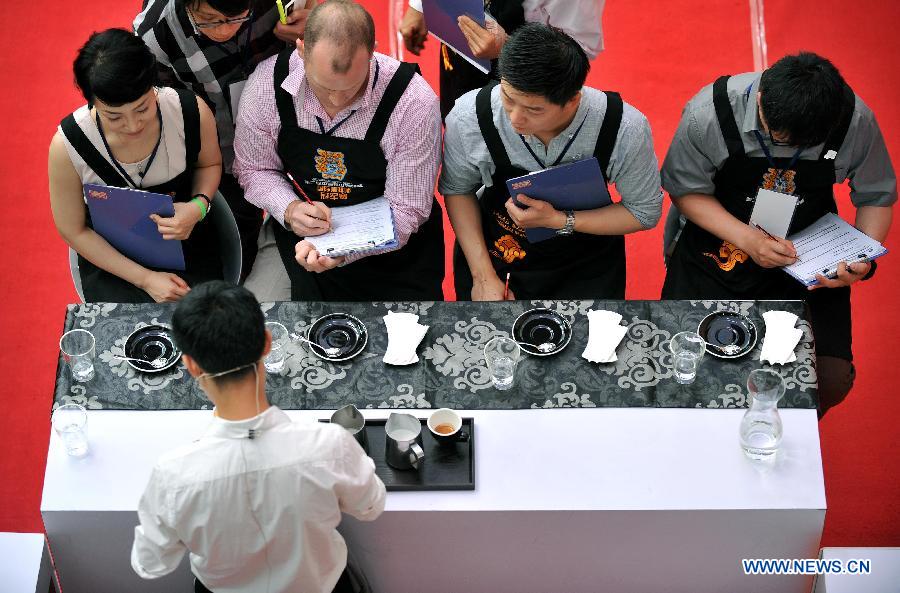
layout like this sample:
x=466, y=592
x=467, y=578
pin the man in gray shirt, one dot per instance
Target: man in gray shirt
x=796, y=129
x=540, y=115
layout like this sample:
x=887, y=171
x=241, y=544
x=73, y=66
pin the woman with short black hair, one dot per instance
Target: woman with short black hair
x=132, y=134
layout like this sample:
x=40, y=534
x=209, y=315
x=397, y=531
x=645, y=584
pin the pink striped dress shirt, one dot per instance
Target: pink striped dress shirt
x=411, y=142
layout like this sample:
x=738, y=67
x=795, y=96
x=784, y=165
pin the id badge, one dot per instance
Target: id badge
x=774, y=211
x=235, y=90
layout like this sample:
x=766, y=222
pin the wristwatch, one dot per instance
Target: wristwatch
x=570, y=225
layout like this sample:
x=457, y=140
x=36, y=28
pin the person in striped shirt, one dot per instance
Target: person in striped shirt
x=211, y=47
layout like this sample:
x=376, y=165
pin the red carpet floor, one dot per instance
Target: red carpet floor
x=658, y=54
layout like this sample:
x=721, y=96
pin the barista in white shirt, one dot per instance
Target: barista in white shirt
x=256, y=500
x=579, y=19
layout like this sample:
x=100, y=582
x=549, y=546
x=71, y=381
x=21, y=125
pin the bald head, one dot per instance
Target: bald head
x=346, y=26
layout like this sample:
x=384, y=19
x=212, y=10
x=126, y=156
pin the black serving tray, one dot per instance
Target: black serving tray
x=445, y=468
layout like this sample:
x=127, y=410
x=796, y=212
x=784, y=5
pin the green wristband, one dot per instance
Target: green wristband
x=202, y=205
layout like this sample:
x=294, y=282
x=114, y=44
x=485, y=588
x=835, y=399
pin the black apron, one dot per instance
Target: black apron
x=343, y=172
x=457, y=76
x=580, y=266
x=703, y=266
x=201, y=255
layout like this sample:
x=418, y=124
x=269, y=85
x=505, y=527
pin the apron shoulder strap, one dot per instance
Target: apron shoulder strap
x=190, y=112
x=488, y=129
x=392, y=94
x=283, y=99
x=606, y=139
x=839, y=133
x=725, y=115
x=89, y=153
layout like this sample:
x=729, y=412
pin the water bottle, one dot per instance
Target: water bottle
x=761, y=426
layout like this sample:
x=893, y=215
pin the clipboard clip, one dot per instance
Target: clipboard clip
x=831, y=273
x=370, y=244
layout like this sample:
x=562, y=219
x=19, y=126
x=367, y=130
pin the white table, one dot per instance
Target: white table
x=24, y=563
x=883, y=574
x=618, y=499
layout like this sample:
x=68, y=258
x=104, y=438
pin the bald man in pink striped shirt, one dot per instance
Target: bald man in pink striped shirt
x=349, y=125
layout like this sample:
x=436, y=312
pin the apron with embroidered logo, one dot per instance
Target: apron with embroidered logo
x=201, y=255
x=578, y=266
x=344, y=172
x=704, y=266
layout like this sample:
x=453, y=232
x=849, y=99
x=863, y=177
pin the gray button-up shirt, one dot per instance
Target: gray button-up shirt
x=698, y=150
x=632, y=166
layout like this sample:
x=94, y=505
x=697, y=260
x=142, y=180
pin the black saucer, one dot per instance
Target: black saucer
x=542, y=332
x=150, y=343
x=728, y=335
x=342, y=331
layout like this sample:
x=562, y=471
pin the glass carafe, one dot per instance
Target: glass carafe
x=761, y=426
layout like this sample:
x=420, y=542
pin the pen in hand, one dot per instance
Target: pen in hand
x=769, y=235
x=302, y=193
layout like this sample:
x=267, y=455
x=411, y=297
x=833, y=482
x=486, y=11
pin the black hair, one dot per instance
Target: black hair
x=542, y=60
x=343, y=22
x=804, y=97
x=230, y=8
x=114, y=66
x=221, y=326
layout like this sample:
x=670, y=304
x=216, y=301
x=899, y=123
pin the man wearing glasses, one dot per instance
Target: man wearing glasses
x=211, y=47
x=795, y=129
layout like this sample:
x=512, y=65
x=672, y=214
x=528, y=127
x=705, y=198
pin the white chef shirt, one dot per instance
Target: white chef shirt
x=580, y=19
x=257, y=515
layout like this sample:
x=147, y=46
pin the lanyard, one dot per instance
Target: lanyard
x=768, y=154
x=564, y=150
x=340, y=123
x=149, y=161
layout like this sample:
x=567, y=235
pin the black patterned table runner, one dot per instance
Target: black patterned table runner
x=451, y=371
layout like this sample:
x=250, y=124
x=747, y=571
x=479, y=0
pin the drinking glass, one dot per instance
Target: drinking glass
x=70, y=423
x=761, y=426
x=502, y=356
x=275, y=358
x=687, y=351
x=77, y=347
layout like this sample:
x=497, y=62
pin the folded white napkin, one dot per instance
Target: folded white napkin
x=781, y=337
x=404, y=335
x=604, y=335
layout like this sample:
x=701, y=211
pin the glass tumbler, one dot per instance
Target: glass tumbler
x=502, y=355
x=687, y=351
x=275, y=358
x=70, y=423
x=77, y=347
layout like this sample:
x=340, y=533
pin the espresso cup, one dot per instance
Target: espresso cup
x=403, y=442
x=446, y=427
x=353, y=421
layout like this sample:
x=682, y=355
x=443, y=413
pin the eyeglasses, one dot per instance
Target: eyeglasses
x=200, y=26
x=769, y=132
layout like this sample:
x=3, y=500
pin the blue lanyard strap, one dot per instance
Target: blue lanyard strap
x=564, y=150
x=340, y=123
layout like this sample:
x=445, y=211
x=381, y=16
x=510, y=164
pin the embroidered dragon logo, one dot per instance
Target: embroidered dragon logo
x=729, y=256
x=509, y=249
x=330, y=165
x=780, y=180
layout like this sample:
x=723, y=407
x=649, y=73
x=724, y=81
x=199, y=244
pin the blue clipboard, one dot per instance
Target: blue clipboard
x=441, y=16
x=122, y=217
x=574, y=186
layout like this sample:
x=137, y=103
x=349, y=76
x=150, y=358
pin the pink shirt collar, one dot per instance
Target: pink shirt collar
x=297, y=86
